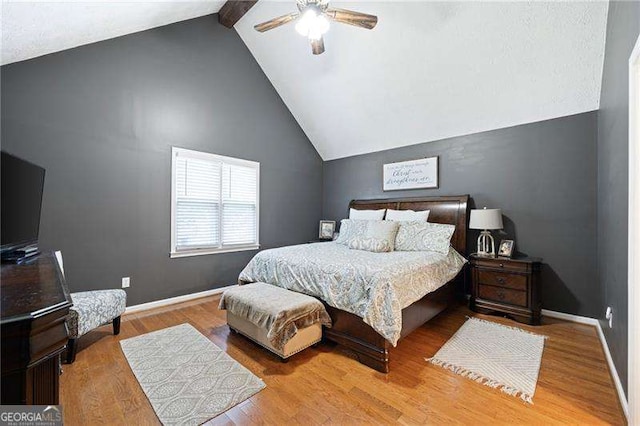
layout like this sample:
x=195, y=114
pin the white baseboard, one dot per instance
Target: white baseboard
x=172, y=300
x=603, y=341
x=570, y=317
x=614, y=373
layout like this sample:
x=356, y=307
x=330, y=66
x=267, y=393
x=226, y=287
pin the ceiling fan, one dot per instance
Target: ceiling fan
x=313, y=21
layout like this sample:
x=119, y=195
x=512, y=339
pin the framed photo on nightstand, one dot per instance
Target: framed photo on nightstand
x=327, y=228
x=506, y=248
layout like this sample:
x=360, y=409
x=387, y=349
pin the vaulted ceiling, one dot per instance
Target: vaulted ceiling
x=428, y=71
x=432, y=70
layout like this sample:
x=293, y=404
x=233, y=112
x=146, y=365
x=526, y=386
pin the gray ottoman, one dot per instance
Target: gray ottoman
x=90, y=310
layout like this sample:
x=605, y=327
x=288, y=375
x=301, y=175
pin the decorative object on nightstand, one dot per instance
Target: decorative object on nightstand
x=507, y=286
x=327, y=228
x=506, y=248
x=486, y=219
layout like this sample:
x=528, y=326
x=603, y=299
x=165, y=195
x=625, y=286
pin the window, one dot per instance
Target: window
x=214, y=203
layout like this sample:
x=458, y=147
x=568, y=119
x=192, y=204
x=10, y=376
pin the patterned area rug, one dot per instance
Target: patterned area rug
x=187, y=378
x=494, y=355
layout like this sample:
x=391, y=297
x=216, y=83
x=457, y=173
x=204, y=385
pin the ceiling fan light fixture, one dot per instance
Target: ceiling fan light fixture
x=312, y=21
x=312, y=24
x=304, y=23
x=314, y=35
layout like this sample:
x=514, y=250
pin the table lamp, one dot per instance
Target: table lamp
x=486, y=219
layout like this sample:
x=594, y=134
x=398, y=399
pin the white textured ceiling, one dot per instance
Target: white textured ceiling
x=432, y=70
x=31, y=29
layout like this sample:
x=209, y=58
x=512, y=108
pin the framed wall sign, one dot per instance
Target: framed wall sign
x=414, y=174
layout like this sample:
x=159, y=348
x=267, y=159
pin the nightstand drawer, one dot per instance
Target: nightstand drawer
x=502, y=264
x=507, y=280
x=502, y=295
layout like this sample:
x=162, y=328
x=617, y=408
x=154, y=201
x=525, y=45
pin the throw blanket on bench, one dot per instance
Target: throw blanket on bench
x=279, y=311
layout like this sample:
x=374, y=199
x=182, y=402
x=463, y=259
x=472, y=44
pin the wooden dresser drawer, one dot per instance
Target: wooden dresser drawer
x=502, y=295
x=507, y=280
x=506, y=265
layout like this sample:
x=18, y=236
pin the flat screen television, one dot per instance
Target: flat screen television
x=22, y=184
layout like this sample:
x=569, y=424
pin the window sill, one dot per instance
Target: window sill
x=189, y=253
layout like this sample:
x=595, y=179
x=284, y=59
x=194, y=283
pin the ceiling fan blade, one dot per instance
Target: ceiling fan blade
x=276, y=22
x=350, y=17
x=317, y=46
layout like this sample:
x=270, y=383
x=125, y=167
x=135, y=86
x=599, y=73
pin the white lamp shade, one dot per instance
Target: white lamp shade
x=485, y=219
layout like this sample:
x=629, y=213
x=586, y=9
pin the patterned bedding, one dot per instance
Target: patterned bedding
x=374, y=286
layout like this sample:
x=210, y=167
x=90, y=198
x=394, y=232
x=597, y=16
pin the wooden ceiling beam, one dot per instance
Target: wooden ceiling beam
x=233, y=10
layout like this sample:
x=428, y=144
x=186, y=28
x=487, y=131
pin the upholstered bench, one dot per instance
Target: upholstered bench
x=90, y=310
x=282, y=321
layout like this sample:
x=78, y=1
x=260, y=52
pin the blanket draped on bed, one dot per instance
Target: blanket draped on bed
x=374, y=286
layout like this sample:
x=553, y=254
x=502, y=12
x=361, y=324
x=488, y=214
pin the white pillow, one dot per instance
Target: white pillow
x=350, y=229
x=366, y=214
x=424, y=236
x=370, y=235
x=407, y=215
x=370, y=244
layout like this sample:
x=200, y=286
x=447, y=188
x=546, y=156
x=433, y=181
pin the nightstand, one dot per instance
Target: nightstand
x=507, y=286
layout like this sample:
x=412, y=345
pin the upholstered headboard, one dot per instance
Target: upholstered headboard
x=452, y=210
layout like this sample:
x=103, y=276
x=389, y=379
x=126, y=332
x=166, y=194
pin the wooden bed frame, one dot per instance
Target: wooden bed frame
x=364, y=342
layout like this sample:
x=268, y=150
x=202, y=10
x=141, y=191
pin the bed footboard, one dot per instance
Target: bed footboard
x=350, y=331
x=369, y=347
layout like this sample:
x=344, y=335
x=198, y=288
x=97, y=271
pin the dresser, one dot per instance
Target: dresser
x=510, y=287
x=35, y=303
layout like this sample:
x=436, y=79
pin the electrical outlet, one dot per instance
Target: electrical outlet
x=609, y=316
x=126, y=282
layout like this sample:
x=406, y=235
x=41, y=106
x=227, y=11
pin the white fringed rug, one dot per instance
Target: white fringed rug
x=495, y=355
x=187, y=378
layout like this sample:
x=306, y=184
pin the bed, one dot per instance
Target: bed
x=374, y=299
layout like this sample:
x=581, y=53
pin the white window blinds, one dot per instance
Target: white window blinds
x=214, y=203
x=239, y=193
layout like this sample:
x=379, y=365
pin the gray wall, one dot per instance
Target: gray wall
x=623, y=26
x=542, y=176
x=102, y=119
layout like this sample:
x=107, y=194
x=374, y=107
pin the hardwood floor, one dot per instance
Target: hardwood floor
x=324, y=385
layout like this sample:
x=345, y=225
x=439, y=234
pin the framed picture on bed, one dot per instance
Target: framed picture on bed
x=327, y=228
x=413, y=174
